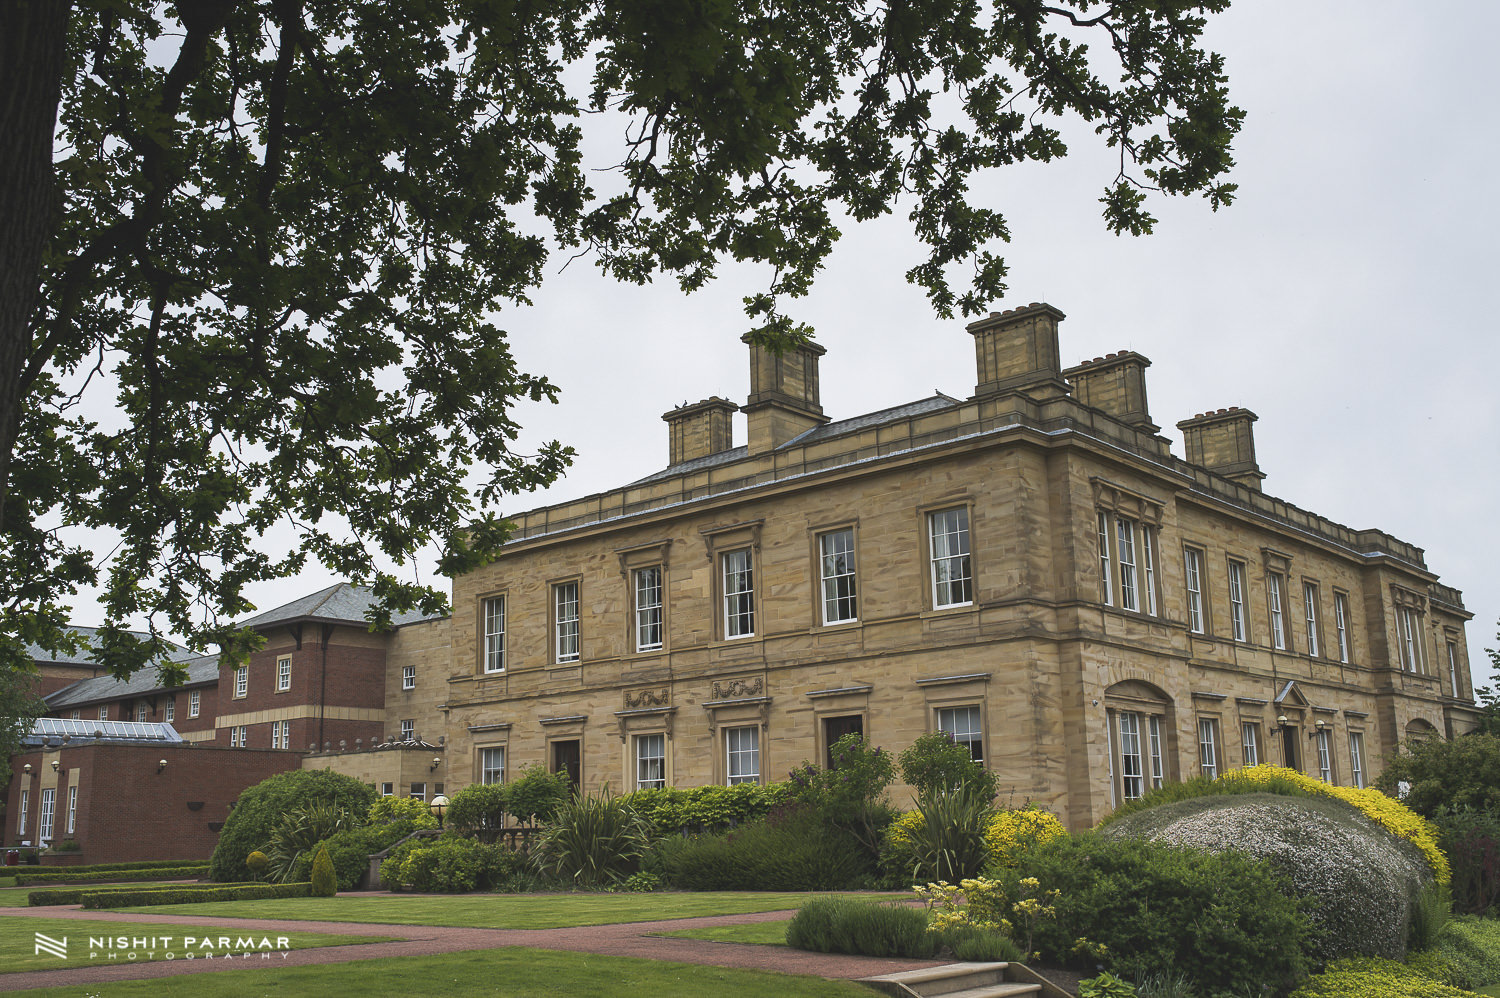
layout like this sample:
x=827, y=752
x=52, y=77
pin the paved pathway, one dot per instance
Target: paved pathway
x=622, y=939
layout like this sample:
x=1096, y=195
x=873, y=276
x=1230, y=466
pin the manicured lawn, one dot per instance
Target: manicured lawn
x=495, y=911
x=18, y=950
x=760, y=933
x=514, y=972
x=1493, y=989
x=14, y=897
x=7, y=881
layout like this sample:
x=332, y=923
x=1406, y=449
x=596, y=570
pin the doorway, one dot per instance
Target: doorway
x=1289, y=747
x=835, y=728
x=567, y=758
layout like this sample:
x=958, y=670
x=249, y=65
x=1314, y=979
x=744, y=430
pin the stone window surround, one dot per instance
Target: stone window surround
x=718, y=541
x=652, y=554
x=482, y=629
x=815, y=535
x=925, y=514
x=555, y=589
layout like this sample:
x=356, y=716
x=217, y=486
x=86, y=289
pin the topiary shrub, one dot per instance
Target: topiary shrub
x=479, y=810
x=1013, y=833
x=325, y=882
x=1364, y=879
x=1229, y=920
x=711, y=808
x=260, y=807
x=256, y=863
x=536, y=795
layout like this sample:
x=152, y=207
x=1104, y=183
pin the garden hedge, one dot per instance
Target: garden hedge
x=144, y=864
x=262, y=806
x=75, y=895
x=673, y=809
x=115, y=876
x=195, y=895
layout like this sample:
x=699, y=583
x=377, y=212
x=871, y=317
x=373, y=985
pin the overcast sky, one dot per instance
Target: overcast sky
x=1343, y=298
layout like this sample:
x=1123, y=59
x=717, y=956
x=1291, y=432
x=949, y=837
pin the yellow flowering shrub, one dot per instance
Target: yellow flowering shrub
x=1008, y=833
x=976, y=901
x=1387, y=812
x=1372, y=977
x=901, y=831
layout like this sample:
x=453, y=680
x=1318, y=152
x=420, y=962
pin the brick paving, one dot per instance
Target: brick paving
x=632, y=939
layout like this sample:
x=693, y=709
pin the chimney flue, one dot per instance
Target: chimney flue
x=784, y=397
x=1115, y=384
x=1223, y=441
x=700, y=429
x=1016, y=351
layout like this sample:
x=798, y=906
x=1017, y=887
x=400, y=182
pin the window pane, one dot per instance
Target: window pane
x=1132, y=779
x=1208, y=747
x=739, y=594
x=566, y=611
x=743, y=745
x=492, y=765
x=963, y=724
x=1278, y=629
x=648, y=607
x=952, y=578
x=1310, y=607
x=1129, y=599
x=1193, y=566
x=836, y=550
x=494, y=634
x=1237, y=599
x=650, y=761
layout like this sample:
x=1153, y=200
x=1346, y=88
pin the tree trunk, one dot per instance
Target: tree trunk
x=32, y=42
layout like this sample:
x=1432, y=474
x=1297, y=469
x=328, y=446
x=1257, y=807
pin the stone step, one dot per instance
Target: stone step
x=1003, y=990
x=971, y=980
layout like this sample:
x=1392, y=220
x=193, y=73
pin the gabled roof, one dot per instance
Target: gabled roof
x=340, y=603
x=201, y=669
x=881, y=417
x=85, y=654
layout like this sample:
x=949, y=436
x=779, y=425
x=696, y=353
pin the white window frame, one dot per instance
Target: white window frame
x=286, y=733
x=1357, y=759
x=965, y=725
x=1409, y=639
x=650, y=630
x=48, y=813
x=408, y=729
x=651, y=761
x=234, y=736
x=1310, y=608
x=195, y=702
x=76, y=715
x=408, y=677
x=742, y=754
x=1250, y=737
x=492, y=764
x=837, y=569
x=72, y=810
x=1208, y=747
x=241, y=681
x=737, y=573
x=493, y=611
x=104, y=712
x=1278, y=624
x=418, y=791
x=1130, y=581
x=1325, y=755
x=140, y=712
x=1153, y=743
x=1192, y=561
x=1453, y=667
x=283, y=673
x=1341, y=624
x=1132, y=759
x=566, y=630
x=1106, y=576
x=169, y=710
x=950, y=558
x=388, y=790
x=1148, y=556
x=25, y=806
x=1237, y=600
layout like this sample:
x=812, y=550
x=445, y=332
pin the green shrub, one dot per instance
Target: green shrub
x=68, y=845
x=72, y=876
x=1106, y=985
x=262, y=806
x=980, y=945
x=1373, y=977
x=1430, y=912
x=863, y=928
x=536, y=795
x=325, y=883
x=74, y=895
x=350, y=851
x=853, y=794
x=452, y=865
x=1466, y=954
x=949, y=843
x=1442, y=774
x=786, y=851
x=642, y=883
x=195, y=895
x=1471, y=839
x=1226, y=919
x=1165, y=984
x=1365, y=880
x=143, y=864
x=715, y=807
x=257, y=863
x=479, y=810
x=936, y=764
x=417, y=813
x=593, y=841
x=296, y=836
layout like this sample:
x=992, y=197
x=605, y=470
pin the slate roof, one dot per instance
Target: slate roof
x=84, y=656
x=200, y=669
x=852, y=425
x=340, y=603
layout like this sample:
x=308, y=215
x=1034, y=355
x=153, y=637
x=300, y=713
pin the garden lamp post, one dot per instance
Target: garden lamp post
x=438, y=806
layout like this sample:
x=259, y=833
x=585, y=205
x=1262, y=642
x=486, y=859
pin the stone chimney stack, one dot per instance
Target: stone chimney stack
x=1116, y=384
x=1016, y=351
x=700, y=429
x=1223, y=442
x=783, y=401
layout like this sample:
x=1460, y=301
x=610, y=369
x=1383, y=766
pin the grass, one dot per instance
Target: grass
x=759, y=933
x=1493, y=989
x=516, y=972
x=7, y=881
x=494, y=911
x=18, y=950
x=14, y=897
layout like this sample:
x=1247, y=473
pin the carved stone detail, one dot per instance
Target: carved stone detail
x=639, y=699
x=734, y=689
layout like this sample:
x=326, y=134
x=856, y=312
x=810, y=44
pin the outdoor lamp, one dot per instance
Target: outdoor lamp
x=436, y=762
x=438, y=806
x=161, y=764
x=54, y=765
x=26, y=769
x=1281, y=721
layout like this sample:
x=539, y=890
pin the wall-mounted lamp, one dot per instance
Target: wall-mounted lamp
x=1321, y=723
x=55, y=764
x=1282, y=721
x=161, y=764
x=26, y=769
x=436, y=762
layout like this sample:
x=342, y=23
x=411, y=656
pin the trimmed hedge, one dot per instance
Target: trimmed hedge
x=790, y=852
x=1372, y=977
x=116, y=876
x=261, y=808
x=861, y=927
x=141, y=864
x=75, y=895
x=673, y=809
x=194, y=895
